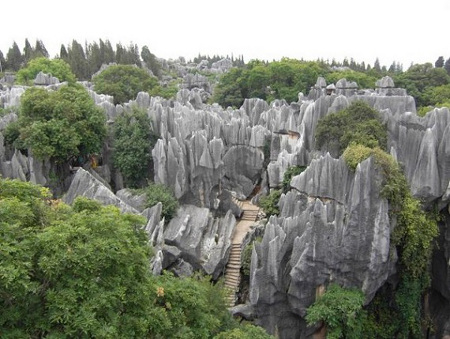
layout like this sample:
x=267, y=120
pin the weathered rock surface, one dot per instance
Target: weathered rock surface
x=203, y=241
x=43, y=79
x=86, y=185
x=333, y=226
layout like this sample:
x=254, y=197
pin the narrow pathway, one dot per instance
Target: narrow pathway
x=232, y=273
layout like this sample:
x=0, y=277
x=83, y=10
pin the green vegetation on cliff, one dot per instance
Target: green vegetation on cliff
x=83, y=271
x=58, y=124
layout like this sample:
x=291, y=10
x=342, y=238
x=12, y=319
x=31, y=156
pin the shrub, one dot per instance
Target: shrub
x=289, y=174
x=56, y=67
x=133, y=142
x=59, y=124
x=160, y=193
x=123, y=82
x=341, y=311
x=270, y=203
x=358, y=123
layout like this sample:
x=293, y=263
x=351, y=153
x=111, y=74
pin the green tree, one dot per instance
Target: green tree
x=270, y=202
x=291, y=172
x=39, y=50
x=56, y=67
x=133, y=143
x=2, y=62
x=94, y=58
x=76, y=58
x=27, y=51
x=60, y=124
x=247, y=331
x=123, y=82
x=362, y=79
x=160, y=193
x=436, y=96
x=230, y=89
x=358, y=123
x=107, y=52
x=341, y=310
x=14, y=58
x=447, y=66
x=151, y=61
x=418, y=78
x=63, y=53
x=83, y=272
x=439, y=62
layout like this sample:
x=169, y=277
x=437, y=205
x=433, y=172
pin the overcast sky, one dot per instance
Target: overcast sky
x=391, y=30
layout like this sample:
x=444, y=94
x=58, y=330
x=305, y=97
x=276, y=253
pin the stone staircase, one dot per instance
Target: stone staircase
x=232, y=272
x=251, y=215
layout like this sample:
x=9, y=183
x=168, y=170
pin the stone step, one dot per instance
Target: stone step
x=235, y=266
x=232, y=279
x=232, y=276
x=232, y=273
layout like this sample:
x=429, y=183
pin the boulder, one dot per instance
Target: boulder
x=203, y=241
x=43, y=79
x=86, y=185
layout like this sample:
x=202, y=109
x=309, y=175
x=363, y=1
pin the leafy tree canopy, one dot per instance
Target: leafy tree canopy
x=341, y=310
x=60, y=124
x=133, y=143
x=276, y=80
x=123, y=82
x=363, y=80
x=358, y=123
x=83, y=272
x=56, y=67
x=160, y=193
x=418, y=78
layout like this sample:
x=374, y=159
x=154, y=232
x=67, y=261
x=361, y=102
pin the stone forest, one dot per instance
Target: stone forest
x=326, y=215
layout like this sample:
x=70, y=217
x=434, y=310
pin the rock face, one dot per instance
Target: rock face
x=86, y=185
x=333, y=226
x=43, y=79
x=200, y=240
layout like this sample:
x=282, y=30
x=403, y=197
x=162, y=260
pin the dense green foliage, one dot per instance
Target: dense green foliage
x=269, y=203
x=133, y=143
x=83, y=272
x=341, y=310
x=364, y=80
x=358, y=123
x=247, y=258
x=247, y=331
x=56, y=67
x=160, y=193
x=59, y=124
x=419, y=79
x=291, y=172
x=276, y=80
x=123, y=82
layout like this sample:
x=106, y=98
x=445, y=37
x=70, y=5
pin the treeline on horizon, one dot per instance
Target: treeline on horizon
x=429, y=84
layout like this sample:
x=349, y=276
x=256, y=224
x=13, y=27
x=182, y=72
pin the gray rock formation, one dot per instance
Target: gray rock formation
x=201, y=240
x=43, y=79
x=137, y=201
x=222, y=66
x=333, y=226
x=86, y=185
